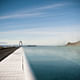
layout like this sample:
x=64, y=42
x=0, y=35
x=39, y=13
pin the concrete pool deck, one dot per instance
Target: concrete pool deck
x=13, y=67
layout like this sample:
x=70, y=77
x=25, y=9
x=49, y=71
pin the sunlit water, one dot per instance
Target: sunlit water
x=54, y=63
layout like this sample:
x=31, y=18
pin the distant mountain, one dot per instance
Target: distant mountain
x=73, y=44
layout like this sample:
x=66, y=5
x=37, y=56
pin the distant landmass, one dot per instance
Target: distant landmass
x=30, y=45
x=73, y=44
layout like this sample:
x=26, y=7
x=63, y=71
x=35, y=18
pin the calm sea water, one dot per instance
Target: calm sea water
x=54, y=63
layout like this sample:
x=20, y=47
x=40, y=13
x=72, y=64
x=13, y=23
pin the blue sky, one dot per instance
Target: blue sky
x=42, y=22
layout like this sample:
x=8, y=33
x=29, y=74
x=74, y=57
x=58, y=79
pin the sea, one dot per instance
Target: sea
x=54, y=62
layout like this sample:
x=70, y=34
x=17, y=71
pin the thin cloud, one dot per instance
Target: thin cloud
x=21, y=15
x=32, y=13
x=42, y=37
x=51, y=6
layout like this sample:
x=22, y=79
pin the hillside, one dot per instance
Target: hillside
x=73, y=44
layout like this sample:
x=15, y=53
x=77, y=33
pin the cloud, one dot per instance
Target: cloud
x=21, y=15
x=51, y=6
x=41, y=36
x=47, y=7
x=32, y=13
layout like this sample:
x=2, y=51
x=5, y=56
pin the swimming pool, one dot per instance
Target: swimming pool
x=54, y=62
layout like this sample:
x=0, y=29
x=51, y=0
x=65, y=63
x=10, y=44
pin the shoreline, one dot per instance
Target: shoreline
x=5, y=52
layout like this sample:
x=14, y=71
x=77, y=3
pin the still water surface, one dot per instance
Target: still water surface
x=54, y=62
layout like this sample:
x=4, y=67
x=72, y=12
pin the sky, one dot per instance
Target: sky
x=39, y=22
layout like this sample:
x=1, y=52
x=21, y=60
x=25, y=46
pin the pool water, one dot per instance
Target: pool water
x=54, y=62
